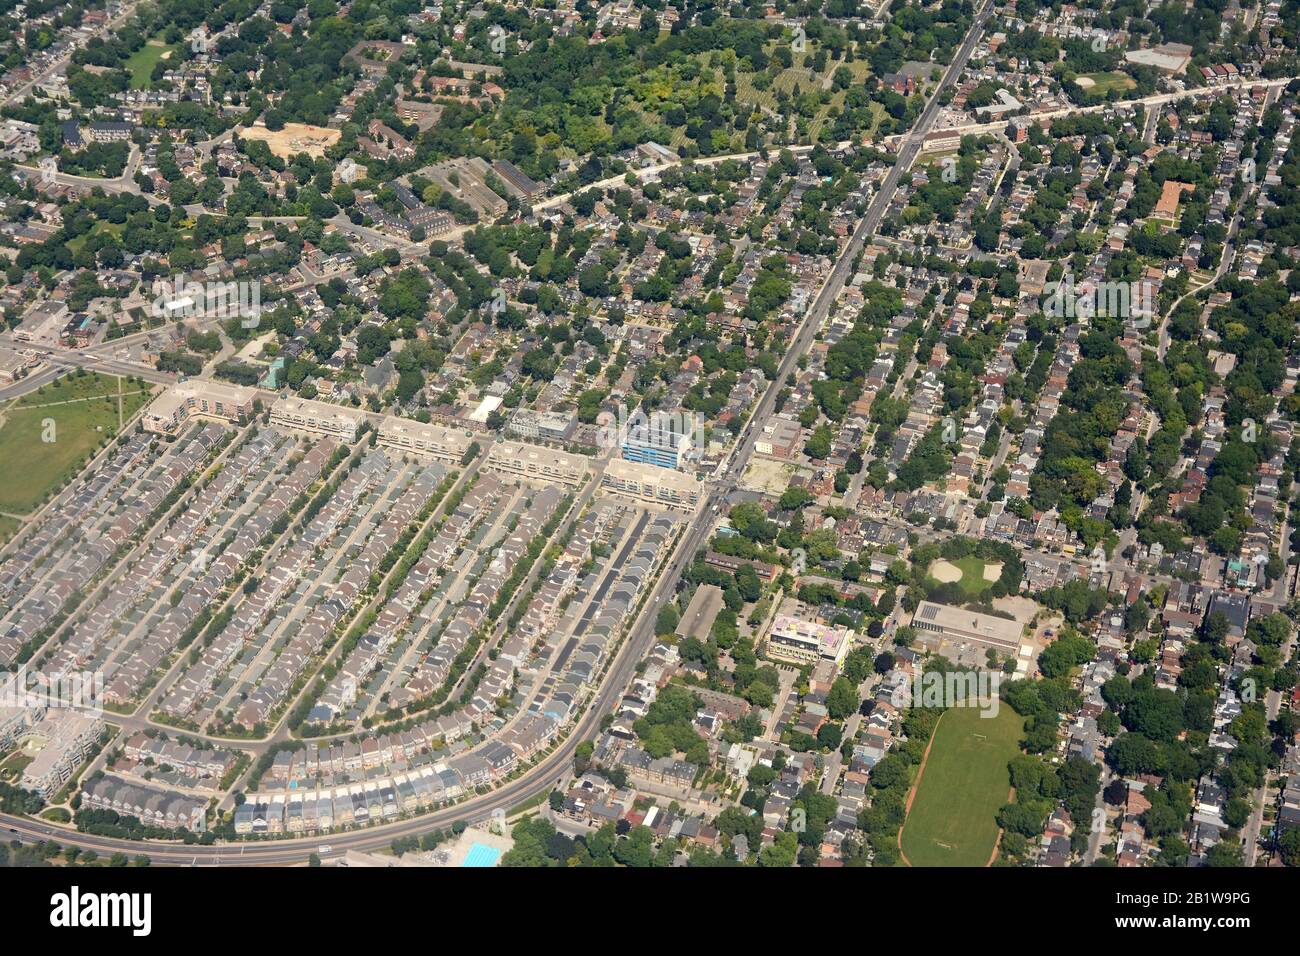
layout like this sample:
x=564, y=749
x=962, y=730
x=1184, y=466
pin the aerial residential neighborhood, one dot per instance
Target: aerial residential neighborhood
x=668, y=434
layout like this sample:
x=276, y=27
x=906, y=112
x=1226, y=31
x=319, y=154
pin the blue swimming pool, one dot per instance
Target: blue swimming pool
x=481, y=855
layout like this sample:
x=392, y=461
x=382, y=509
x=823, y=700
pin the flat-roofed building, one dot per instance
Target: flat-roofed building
x=697, y=620
x=781, y=438
x=538, y=463
x=13, y=721
x=198, y=398
x=650, y=483
x=958, y=624
x=552, y=426
x=657, y=442
x=807, y=642
x=15, y=365
x=66, y=739
x=405, y=434
x=514, y=176
x=320, y=418
x=1168, y=57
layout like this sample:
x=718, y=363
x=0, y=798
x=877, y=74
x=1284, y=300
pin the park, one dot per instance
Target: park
x=962, y=783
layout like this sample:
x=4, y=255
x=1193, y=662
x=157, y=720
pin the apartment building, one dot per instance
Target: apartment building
x=318, y=418
x=538, y=463
x=806, y=642
x=657, y=442
x=438, y=441
x=652, y=484
x=550, y=426
x=198, y=398
x=67, y=738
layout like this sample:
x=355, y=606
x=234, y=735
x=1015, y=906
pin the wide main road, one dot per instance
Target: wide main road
x=556, y=765
x=914, y=140
x=834, y=283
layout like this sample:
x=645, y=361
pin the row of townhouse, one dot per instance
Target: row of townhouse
x=90, y=501
x=1288, y=811
x=191, y=761
x=152, y=807
x=163, y=555
x=115, y=511
x=338, y=807
x=560, y=583
x=328, y=614
x=519, y=739
x=351, y=758
x=472, y=613
x=201, y=594
x=404, y=609
x=193, y=687
x=394, y=617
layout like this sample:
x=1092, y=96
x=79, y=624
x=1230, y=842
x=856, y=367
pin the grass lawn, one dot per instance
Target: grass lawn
x=8, y=528
x=142, y=61
x=964, y=783
x=114, y=229
x=972, y=580
x=1105, y=82
x=13, y=768
x=83, y=411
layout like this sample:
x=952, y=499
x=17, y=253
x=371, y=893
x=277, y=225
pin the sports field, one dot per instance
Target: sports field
x=46, y=436
x=1103, y=83
x=962, y=785
x=974, y=574
x=140, y=64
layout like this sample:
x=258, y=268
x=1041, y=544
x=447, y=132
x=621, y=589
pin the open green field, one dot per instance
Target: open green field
x=142, y=61
x=79, y=413
x=8, y=528
x=12, y=769
x=973, y=581
x=112, y=228
x=1103, y=83
x=962, y=786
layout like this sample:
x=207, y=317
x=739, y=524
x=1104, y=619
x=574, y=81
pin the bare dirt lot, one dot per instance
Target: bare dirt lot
x=295, y=138
x=767, y=476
